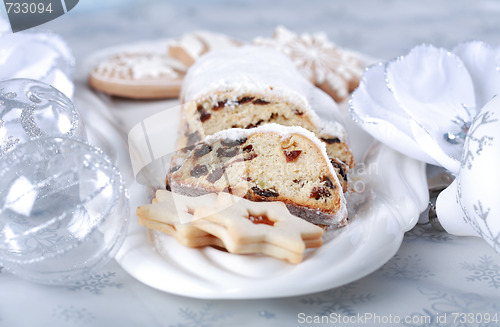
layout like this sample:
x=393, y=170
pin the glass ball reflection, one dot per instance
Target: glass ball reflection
x=31, y=109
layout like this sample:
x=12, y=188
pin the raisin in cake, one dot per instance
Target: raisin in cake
x=250, y=86
x=267, y=163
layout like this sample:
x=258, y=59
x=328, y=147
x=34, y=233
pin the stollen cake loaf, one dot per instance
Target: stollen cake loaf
x=250, y=86
x=335, y=70
x=267, y=163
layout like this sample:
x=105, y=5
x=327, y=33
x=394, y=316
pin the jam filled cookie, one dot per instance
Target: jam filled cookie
x=248, y=227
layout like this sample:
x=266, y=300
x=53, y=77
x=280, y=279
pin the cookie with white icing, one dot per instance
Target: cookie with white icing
x=172, y=214
x=138, y=75
x=268, y=163
x=335, y=70
x=191, y=46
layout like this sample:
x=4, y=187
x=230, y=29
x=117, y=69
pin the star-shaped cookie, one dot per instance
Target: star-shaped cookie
x=255, y=227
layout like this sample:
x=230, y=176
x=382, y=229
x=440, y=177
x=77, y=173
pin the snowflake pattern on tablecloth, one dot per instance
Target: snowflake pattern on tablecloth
x=96, y=283
x=445, y=305
x=407, y=268
x=341, y=300
x=487, y=270
x=201, y=318
x=427, y=233
x=73, y=314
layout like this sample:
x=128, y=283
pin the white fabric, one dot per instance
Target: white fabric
x=425, y=95
x=40, y=56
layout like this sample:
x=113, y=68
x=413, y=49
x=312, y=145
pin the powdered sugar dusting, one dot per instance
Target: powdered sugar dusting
x=245, y=70
x=333, y=128
x=214, y=41
x=282, y=130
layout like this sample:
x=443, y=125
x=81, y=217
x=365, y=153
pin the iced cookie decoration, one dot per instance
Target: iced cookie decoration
x=231, y=223
x=138, y=75
x=255, y=228
x=191, y=46
x=335, y=70
x=250, y=86
x=267, y=163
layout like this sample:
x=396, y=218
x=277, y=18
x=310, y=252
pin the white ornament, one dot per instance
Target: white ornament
x=471, y=204
x=43, y=57
x=422, y=104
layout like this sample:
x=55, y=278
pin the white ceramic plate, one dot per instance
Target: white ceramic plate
x=395, y=193
x=371, y=239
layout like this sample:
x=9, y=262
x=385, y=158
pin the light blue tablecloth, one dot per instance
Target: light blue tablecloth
x=435, y=279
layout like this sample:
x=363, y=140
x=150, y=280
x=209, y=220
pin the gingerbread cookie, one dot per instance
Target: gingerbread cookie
x=335, y=70
x=248, y=227
x=172, y=214
x=139, y=75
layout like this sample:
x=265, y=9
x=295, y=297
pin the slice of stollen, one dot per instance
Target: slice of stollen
x=267, y=163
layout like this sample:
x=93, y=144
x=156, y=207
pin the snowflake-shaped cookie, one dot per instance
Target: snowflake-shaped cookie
x=333, y=69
